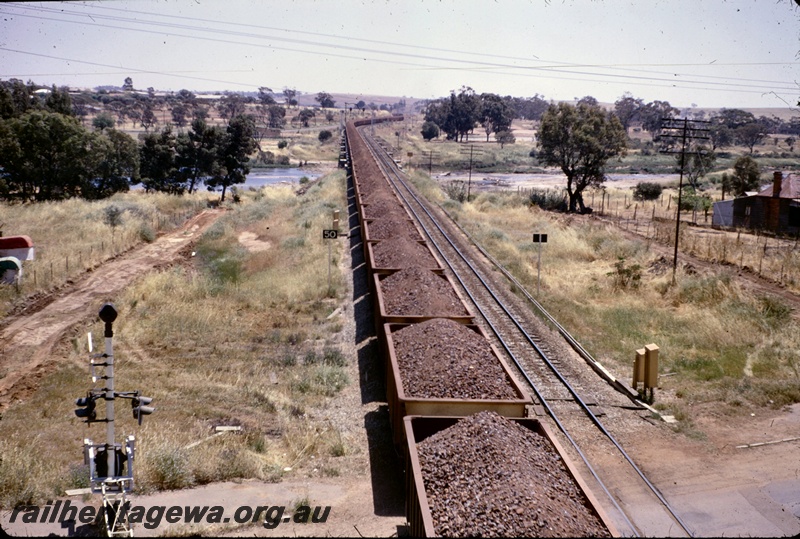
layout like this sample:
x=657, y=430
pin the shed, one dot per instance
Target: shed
x=722, y=215
x=775, y=208
x=20, y=247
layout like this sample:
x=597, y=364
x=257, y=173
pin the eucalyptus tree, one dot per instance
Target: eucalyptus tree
x=580, y=140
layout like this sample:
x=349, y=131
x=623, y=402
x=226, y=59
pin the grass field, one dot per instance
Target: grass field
x=718, y=341
x=232, y=337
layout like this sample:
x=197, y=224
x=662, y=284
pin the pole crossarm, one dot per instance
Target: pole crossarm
x=686, y=131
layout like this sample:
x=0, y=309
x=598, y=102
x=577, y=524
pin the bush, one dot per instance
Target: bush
x=548, y=199
x=325, y=136
x=456, y=190
x=647, y=191
x=282, y=144
x=429, y=131
x=626, y=276
x=267, y=158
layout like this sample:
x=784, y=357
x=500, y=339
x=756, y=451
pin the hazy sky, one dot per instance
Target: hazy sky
x=712, y=53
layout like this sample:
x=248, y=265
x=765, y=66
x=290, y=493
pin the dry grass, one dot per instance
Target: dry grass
x=230, y=338
x=72, y=236
x=722, y=342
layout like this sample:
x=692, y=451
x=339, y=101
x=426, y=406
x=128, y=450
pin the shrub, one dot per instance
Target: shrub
x=429, y=131
x=456, y=190
x=146, y=233
x=325, y=136
x=282, y=144
x=626, y=276
x=647, y=191
x=548, y=199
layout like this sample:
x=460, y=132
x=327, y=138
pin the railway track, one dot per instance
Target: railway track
x=565, y=390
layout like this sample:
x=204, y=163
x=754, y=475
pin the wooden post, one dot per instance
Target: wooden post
x=651, y=366
x=638, y=369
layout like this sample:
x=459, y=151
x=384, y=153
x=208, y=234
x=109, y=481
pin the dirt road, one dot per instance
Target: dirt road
x=27, y=339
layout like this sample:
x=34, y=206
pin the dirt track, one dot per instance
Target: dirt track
x=27, y=339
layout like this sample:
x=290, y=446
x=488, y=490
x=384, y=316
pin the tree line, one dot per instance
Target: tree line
x=579, y=139
x=47, y=154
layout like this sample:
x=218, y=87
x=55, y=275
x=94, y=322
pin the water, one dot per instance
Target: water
x=268, y=176
x=277, y=176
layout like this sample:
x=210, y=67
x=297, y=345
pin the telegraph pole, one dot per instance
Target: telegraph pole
x=469, y=178
x=686, y=131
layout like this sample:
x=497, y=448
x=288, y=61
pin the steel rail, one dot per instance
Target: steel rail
x=390, y=170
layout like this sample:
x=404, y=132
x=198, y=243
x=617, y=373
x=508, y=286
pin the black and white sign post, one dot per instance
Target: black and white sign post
x=540, y=239
x=331, y=234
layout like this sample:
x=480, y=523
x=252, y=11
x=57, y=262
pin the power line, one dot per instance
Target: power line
x=556, y=68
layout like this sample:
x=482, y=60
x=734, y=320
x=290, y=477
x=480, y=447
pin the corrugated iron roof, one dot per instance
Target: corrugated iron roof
x=790, y=187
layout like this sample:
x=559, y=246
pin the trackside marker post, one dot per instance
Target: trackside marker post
x=331, y=234
x=540, y=239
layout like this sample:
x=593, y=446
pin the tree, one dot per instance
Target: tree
x=43, y=156
x=277, y=116
x=197, y=153
x=289, y=95
x=580, y=140
x=179, y=113
x=128, y=84
x=157, y=153
x=115, y=164
x=112, y=216
x=627, y=108
x=325, y=100
x=305, y=115
x=429, y=131
x=265, y=96
x=234, y=154
x=751, y=134
x=58, y=100
x=103, y=121
x=465, y=108
x=505, y=137
x=746, y=176
x=721, y=136
x=647, y=191
x=496, y=114
x=530, y=108
x=734, y=118
x=697, y=164
x=790, y=143
x=231, y=105
x=652, y=114
x=148, y=118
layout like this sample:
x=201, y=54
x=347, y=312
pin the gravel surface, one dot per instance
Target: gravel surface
x=402, y=252
x=441, y=358
x=383, y=208
x=487, y=476
x=383, y=229
x=420, y=292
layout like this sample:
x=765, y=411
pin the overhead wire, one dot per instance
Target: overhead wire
x=470, y=65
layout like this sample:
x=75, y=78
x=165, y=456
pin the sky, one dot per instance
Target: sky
x=705, y=53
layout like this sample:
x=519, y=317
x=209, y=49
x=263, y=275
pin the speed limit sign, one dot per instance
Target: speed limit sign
x=330, y=234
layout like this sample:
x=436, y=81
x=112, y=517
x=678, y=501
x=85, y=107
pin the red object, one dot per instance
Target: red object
x=15, y=242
